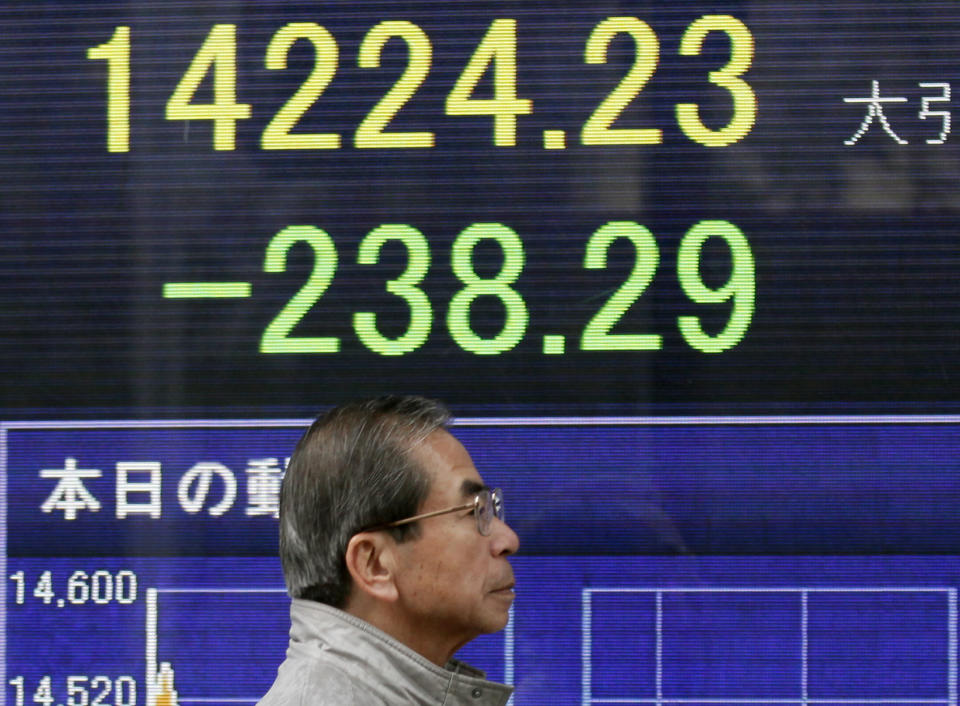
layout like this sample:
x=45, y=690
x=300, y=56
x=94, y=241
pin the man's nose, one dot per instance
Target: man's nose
x=505, y=540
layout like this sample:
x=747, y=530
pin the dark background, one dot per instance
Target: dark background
x=857, y=258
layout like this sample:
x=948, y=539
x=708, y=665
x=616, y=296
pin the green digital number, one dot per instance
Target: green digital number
x=276, y=338
x=596, y=334
x=458, y=314
x=405, y=287
x=741, y=287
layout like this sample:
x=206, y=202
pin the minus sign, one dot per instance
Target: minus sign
x=206, y=290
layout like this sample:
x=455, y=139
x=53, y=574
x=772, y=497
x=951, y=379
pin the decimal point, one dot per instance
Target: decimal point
x=554, y=139
x=60, y=603
x=553, y=344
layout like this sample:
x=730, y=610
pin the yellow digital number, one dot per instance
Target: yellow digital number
x=499, y=49
x=597, y=130
x=370, y=132
x=219, y=53
x=116, y=52
x=277, y=135
x=728, y=77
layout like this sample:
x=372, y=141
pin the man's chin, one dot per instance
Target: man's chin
x=500, y=612
x=496, y=624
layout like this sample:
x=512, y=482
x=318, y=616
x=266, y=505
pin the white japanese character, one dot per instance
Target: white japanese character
x=263, y=487
x=151, y=486
x=944, y=115
x=874, y=110
x=70, y=494
x=203, y=473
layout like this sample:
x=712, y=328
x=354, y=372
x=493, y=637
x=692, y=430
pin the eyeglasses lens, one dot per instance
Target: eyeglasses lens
x=496, y=500
x=489, y=505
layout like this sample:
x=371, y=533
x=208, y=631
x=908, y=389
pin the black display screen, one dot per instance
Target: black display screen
x=543, y=208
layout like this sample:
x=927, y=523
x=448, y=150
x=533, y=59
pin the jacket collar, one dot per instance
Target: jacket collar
x=365, y=650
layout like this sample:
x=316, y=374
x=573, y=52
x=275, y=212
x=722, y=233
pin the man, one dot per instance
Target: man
x=395, y=554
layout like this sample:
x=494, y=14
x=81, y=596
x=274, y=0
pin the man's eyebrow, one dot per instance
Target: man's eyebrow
x=470, y=488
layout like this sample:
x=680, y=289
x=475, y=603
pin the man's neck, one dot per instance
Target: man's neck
x=420, y=638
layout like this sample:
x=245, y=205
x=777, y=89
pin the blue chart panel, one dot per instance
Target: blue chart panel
x=584, y=630
x=141, y=563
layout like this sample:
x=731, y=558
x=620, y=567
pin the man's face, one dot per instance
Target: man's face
x=453, y=581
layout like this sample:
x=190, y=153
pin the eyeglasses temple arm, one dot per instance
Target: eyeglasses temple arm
x=431, y=514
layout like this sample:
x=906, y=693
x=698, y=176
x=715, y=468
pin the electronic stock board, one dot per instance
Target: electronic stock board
x=688, y=273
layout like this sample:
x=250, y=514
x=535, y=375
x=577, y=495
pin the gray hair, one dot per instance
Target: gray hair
x=351, y=470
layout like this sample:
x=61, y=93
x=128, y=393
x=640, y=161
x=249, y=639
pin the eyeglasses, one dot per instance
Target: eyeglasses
x=486, y=505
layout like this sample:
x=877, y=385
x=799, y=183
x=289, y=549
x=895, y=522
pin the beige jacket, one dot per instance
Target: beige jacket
x=336, y=659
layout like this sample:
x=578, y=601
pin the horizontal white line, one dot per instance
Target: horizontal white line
x=769, y=701
x=702, y=701
x=774, y=589
x=159, y=424
x=710, y=420
x=891, y=99
x=221, y=590
x=510, y=421
x=182, y=700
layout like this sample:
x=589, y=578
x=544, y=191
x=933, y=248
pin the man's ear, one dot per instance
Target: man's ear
x=371, y=561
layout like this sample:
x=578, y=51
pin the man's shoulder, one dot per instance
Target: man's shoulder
x=316, y=683
x=335, y=658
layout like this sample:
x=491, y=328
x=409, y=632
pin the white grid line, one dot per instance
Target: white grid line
x=508, y=652
x=220, y=590
x=659, y=675
x=952, y=637
x=803, y=646
x=150, y=643
x=586, y=647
